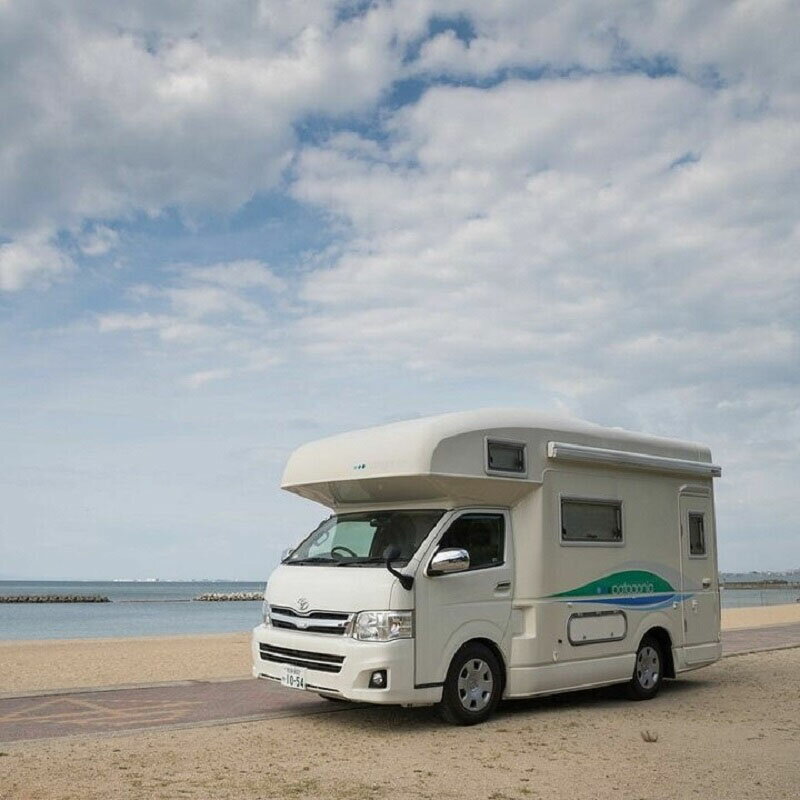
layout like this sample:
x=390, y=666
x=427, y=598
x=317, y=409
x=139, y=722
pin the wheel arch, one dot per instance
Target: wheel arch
x=662, y=636
x=481, y=631
x=498, y=654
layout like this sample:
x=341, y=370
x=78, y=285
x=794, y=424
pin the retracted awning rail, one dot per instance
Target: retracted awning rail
x=623, y=458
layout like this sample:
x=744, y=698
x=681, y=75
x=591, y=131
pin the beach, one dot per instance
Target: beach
x=728, y=731
x=72, y=663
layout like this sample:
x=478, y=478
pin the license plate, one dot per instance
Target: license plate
x=294, y=677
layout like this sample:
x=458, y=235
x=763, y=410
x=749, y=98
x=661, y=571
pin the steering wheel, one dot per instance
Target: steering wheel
x=347, y=550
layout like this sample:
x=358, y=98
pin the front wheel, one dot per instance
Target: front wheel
x=472, y=689
x=648, y=670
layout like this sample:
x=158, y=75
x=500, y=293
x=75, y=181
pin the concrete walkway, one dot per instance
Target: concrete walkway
x=197, y=703
x=751, y=640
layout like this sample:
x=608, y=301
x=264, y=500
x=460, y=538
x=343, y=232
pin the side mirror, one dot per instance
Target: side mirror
x=452, y=559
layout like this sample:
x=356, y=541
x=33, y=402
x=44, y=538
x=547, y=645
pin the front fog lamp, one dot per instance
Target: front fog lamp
x=383, y=626
x=378, y=679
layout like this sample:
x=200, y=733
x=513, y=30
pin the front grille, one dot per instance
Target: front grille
x=321, y=662
x=328, y=622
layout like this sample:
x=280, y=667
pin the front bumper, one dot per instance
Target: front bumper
x=358, y=661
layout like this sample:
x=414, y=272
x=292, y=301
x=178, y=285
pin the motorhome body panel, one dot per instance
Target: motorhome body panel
x=577, y=602
x=446, y=456
x=640, y=578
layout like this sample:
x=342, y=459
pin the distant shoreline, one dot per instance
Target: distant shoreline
x=770, y=584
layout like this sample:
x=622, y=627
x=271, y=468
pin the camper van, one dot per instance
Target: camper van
x=494, y=554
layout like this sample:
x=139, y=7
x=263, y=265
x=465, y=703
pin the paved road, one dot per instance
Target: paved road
x=217, y=702
x=752, y=639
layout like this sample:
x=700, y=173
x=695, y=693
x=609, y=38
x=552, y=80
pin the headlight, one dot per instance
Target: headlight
x=265, y=612
x=383, y=626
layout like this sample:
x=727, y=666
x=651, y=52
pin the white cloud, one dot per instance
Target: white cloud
x=197, y=379
x=548, y=216
x=31, y=260
x=112, y=110
x=110, y=323
x=711, y=41
x=605, y=221
x=242, y=274
x=98, y=241
x=225, y=311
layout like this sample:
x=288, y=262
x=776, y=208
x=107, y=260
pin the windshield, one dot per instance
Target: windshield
x=362, y=537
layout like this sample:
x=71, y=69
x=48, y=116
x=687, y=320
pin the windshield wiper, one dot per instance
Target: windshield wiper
x=313, y=560
x=356, y=562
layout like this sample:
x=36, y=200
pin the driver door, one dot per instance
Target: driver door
x=453, y=608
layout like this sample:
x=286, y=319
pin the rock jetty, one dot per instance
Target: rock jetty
x=53, y=598
x=224, y=596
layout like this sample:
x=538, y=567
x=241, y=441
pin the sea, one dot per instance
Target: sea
x=161, y=608
x=137, y=608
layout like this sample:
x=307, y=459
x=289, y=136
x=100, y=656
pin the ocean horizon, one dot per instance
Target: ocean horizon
x=137, y=608
x=154, y=607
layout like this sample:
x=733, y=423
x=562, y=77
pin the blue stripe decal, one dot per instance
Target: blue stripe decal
x=649, y=601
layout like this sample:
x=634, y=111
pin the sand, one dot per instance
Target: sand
x=759, y=616
x=58, y=664
x=71, y=663
x=729, y=731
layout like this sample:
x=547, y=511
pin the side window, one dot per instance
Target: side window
x=697, y=535
x=483, y=536
x=591, y=521
x=505, y=458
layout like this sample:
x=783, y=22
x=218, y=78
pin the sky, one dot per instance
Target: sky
x=230, y=228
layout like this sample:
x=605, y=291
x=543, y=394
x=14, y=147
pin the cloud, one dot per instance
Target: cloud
x=31, y=260
x=579, y=206
x=197, y=379
x=707, y=41
x=98, y=241
x=243, y=274
x=110, y=323
x=222, y=311
x=545, y=218
x=114, y=111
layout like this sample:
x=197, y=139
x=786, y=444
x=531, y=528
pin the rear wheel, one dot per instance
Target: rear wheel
x=472, y=689
x=648, y=670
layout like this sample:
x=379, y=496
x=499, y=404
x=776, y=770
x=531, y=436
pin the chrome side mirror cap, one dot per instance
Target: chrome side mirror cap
x=286, y=553
x=452, y=559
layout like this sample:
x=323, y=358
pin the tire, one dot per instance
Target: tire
x=648, y=670
x=473, y=686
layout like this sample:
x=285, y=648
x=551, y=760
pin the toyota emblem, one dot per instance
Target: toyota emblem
x=302, y=603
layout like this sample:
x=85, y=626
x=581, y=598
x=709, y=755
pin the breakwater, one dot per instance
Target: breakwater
x=226, y=596
x=53, y=598
x=767, y=585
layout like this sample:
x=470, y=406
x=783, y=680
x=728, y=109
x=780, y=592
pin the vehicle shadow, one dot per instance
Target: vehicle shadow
x=397, y=719
x=604, y=697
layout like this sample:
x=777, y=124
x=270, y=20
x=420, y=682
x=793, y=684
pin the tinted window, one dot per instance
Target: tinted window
x=697, y=535
x=587, y=521
x=505, y=457
x=481, y=535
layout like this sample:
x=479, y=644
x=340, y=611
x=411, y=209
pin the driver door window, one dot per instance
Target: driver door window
x=482, y=535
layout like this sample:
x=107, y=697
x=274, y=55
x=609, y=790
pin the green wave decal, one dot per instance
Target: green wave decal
x=635, y=581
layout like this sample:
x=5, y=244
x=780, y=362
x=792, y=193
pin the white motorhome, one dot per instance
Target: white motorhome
x=494, y=554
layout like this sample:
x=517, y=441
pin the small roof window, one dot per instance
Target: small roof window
x=505, y=458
